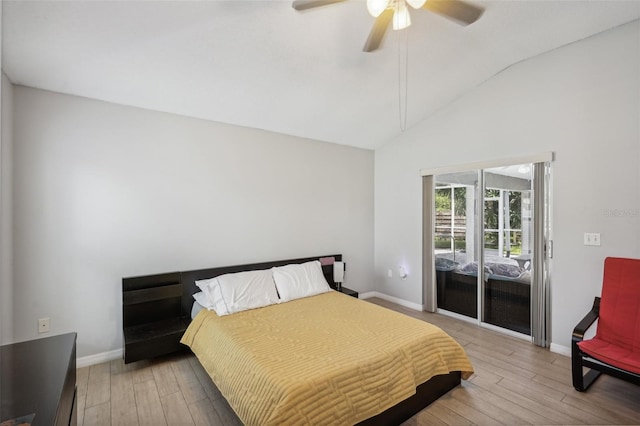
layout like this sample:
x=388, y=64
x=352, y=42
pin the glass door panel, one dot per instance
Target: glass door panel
x=508, y=247
x=455, y=243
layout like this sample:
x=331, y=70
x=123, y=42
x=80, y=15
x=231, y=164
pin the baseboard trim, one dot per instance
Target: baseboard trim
x=396, y=300
x=559, y=349
x=86, y=361
x=368, y=295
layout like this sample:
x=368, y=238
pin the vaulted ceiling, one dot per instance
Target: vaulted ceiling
x=261, y=64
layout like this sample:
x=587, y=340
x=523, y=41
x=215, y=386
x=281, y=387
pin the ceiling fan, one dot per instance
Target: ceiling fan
x=396, y=11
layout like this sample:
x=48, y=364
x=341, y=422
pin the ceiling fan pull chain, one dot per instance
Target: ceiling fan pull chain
x=403, y=117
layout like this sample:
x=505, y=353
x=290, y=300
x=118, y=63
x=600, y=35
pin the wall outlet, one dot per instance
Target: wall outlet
x=390, y=273
x=591, y=238
x=43, y=325
x=402, y=273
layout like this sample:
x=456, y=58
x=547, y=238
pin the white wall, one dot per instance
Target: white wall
x=582, y=102
x=103, y=191
x=6, y=210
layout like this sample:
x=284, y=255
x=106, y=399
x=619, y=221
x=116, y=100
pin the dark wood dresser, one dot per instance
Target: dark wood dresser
x=39, y=377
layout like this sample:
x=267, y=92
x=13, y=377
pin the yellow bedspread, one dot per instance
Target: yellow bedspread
x=326, y=359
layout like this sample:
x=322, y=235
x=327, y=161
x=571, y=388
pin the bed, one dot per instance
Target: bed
x=323, y=359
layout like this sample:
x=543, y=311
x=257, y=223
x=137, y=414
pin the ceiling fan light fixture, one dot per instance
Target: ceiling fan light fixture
x=416, y=4
x=376, y=7
x=401, y=17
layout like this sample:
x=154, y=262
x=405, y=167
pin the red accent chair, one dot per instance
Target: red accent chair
x=615, y=349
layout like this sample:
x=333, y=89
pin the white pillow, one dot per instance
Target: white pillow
x=300, y=280
x=203, y=300
x=211, y=289
x=238, y=292
x=197, y=307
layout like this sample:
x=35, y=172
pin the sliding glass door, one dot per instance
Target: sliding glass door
x=485, y=246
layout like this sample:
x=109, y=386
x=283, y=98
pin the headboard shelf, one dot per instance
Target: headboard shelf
x=152, y=315
x=133, y=297
x=144, y=332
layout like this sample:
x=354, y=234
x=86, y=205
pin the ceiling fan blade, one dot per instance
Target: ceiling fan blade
x=378, y=31
x=462, y=12
x=310, y=4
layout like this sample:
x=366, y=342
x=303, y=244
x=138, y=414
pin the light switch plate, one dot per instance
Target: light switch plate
x=591, y=238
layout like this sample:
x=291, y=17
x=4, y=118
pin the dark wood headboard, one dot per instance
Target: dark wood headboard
x=156, y=309
x=188, y=279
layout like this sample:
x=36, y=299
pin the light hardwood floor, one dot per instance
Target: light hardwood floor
x=515, y=383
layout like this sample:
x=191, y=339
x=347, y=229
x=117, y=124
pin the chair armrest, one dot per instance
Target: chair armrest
x=587, y=321
x=581, y=381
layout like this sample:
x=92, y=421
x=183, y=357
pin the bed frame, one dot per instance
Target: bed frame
x=425, y=394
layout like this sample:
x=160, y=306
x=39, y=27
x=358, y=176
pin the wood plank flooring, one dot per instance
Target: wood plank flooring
x=515, y=383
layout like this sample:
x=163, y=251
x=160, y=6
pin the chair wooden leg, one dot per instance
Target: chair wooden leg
x=590, y=377
x=581, y=381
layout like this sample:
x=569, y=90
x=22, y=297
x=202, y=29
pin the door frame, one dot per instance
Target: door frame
x=540, y=310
